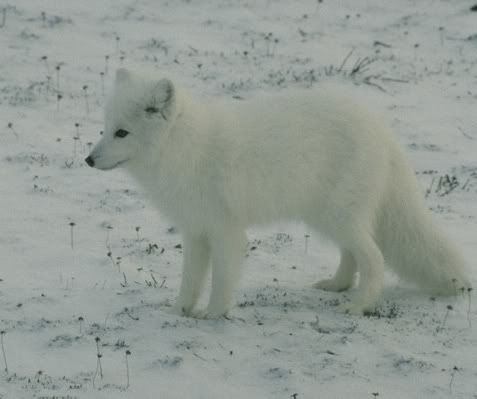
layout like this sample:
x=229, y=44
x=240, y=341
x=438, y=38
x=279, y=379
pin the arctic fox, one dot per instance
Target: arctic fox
x=215, y=168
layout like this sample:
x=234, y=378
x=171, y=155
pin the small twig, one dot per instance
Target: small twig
x=367, y=80
x=126, y=310
x=361, y=65
x=154, y=279
x=345, y=60
x=125, y=284
x=439, y=184
x=396, y=80
x=429, y=190
x=198, y=356
x=382, y=44
x=465, y=134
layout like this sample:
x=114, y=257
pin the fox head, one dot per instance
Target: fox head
x=138, y=112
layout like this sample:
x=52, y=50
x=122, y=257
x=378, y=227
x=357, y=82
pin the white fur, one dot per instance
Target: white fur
x=216, y=168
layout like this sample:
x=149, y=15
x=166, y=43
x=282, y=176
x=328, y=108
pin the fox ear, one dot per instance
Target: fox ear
x=122, y=75
x=164, y=91
x=162, y=101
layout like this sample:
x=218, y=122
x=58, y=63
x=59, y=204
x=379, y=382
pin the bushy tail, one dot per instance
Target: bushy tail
x=413, y=246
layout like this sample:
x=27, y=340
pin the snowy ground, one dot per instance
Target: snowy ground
x=59, y=289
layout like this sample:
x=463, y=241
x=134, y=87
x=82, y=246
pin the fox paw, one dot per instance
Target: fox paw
x=180, y=310
x=207, y=314
x=331, y=285
x=351, y=308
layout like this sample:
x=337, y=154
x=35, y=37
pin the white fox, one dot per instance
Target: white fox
x=216, y=168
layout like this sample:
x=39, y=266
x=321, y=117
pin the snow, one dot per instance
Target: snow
x=59, y=289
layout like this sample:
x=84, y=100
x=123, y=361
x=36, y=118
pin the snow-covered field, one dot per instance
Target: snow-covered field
x=88, y=267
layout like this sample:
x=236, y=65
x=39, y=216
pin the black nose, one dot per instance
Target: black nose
x=89, y=161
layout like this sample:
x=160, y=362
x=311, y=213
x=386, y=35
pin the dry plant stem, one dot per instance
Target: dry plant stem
x=98, y=365
x=81, y=319
x=469, y=307
x=127, y=373
x=454, y=371
x=58, y=79
x=110, y=256
x=108, y=241
x=2, y=333
x=306, y=243
x=102, y=83
x=10, y=127
x=345, y=60
x=96, y=372
x=85, y=91
x=441, y=327
x=75, y=139
x=4, y=17
x=454, y=283
x=72, y=225
x=106, y=64
x=48, y=86
x=45, y=61
x=127, y=369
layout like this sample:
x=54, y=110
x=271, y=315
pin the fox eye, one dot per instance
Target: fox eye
x=121, y=133
x=152, y=110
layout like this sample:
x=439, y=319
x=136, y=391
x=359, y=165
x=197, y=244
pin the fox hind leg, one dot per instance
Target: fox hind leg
x=370, y=265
